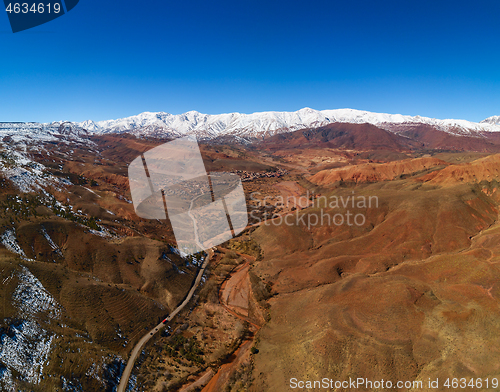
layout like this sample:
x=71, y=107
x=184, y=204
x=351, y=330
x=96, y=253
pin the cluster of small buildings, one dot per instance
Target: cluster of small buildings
x=249, y=176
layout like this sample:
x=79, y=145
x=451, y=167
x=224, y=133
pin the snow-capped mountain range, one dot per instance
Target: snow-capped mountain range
x=263, y=124
x=243, y=127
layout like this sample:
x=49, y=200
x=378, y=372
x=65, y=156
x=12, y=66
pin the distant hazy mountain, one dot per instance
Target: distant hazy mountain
x=263, y=124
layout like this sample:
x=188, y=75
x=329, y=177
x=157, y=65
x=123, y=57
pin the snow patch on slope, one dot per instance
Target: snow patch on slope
x=21, y=140
x=9, y=240
x=52, y=244
x=32, y=298
x=26, y=174
x=26, y=347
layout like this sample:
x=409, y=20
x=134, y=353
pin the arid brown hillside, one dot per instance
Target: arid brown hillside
x=411, y=294
x=338, y=135
x=485, y=169
x=373, y=172
x=430, y=138
x=390, y=137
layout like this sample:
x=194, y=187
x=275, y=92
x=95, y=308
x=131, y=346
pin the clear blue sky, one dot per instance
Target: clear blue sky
x=111, y=59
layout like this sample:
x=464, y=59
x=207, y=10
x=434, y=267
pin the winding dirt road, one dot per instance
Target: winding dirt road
x=122, y=387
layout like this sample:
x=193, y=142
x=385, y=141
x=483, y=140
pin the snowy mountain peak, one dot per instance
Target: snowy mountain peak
x=495, y=120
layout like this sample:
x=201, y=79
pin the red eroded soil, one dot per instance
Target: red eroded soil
x=293, y=194
x=235, y=296
x=205, y=377
x=234, y=291
x=484, y=169
x=241, y=355
x=372, y=172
